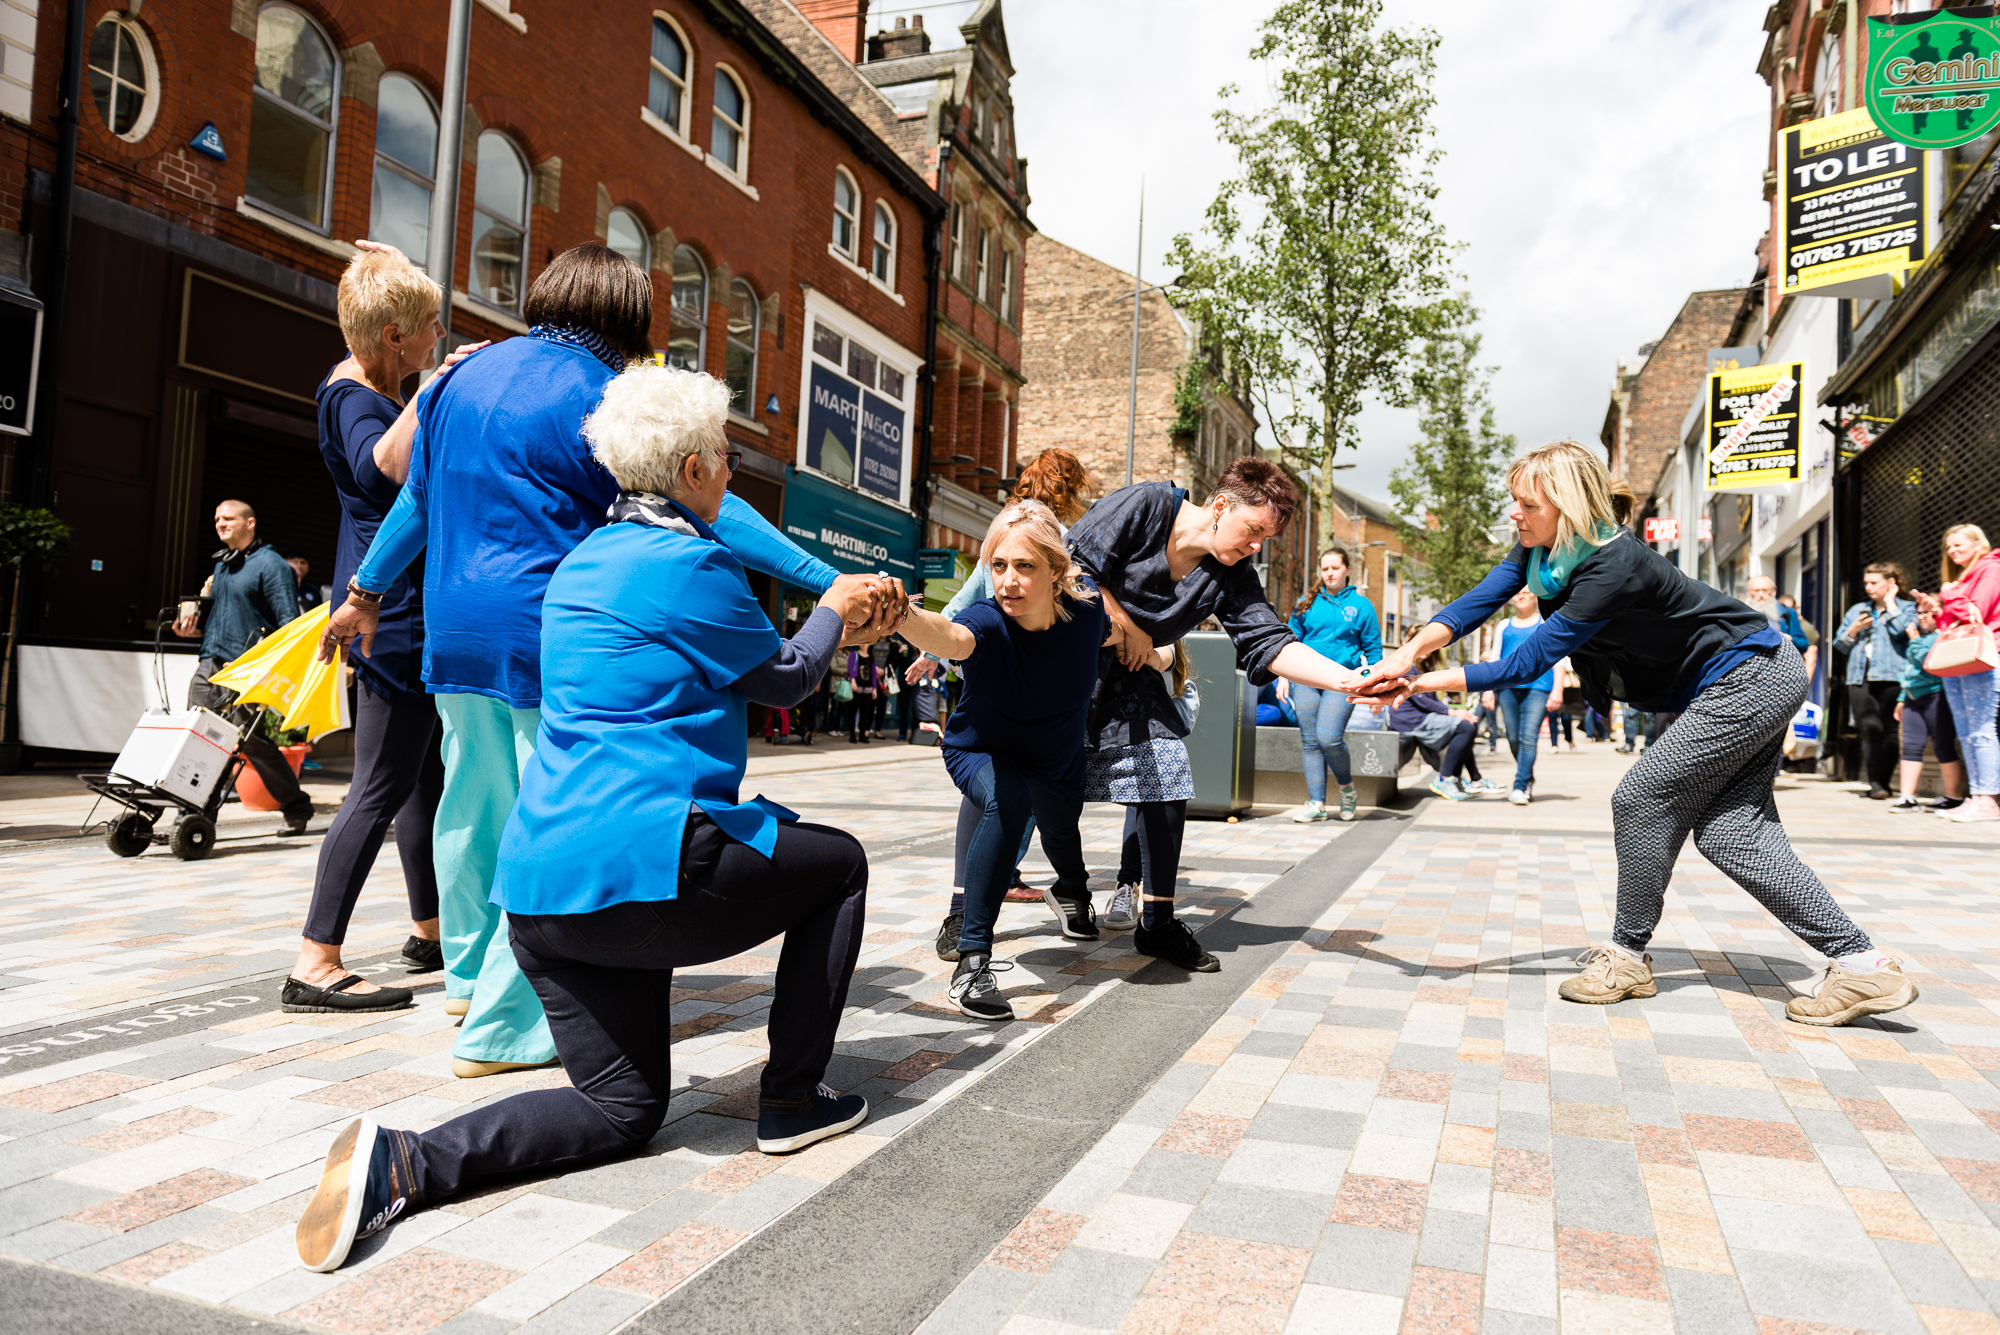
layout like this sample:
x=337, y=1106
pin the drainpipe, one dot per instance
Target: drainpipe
x=55, y=278
x=451, y=142
x=934, y=279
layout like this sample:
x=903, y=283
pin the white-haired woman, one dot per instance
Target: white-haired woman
x=1634, y=626
x=1014, y=746
x=630, y=853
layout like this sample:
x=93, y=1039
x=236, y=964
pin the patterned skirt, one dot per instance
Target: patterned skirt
x=1150, y=771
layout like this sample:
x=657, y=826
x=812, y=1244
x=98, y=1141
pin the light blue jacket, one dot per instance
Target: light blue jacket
x=1341, y=626
x=1880, y=656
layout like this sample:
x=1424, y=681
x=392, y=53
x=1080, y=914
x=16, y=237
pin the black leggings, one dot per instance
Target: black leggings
x=1929, y=720
x=398, y=775
x=1162, y=825
x=1874, y=707
x=1559, y=719
x=1457, y=753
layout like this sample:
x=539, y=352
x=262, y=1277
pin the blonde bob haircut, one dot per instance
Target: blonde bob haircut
x=651, y=420
x=380, y=290
x=1574, y=480
x=1950, y=571
x=1035, y=524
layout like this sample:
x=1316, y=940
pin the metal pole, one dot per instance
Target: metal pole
x=451, y=136
x=41, y=459
x=1132, y=408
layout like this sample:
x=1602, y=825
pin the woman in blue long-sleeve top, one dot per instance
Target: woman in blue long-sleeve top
x=501, y=488
x=1337, y=620
x=1636, y=628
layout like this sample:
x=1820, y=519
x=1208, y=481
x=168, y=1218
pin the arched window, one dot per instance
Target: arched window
x=292, y=105
x=124, y=77
x=624, y=233
x=406, y=133
x=687, y=334
x=882, y=262
x=729, y=140
x=500, y=223
x=666, y=96
x=846, y=212
x=740, y=368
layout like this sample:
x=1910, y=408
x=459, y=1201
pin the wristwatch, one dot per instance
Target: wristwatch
x=360, y=595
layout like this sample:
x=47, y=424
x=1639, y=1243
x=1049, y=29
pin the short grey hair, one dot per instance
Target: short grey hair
x=651, y=420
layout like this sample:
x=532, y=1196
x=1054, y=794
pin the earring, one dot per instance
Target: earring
x=1216, y=527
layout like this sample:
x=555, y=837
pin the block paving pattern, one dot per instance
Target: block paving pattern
x=182, y=1164
x=1401, y=1128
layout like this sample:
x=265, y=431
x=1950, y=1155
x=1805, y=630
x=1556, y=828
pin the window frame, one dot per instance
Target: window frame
x=645, y=235
x=679, y=127
x=981, y=264
x=853, y=247
x=408, y=173
x=707, y=296
x=526, y=224
x=1008, y=281
x=882, y=254
x=957, y=266
x=330, y=126
x=741, y=169
x=730, y=342
x=149, y=68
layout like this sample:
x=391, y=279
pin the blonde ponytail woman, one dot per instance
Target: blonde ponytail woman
x=1631, y=623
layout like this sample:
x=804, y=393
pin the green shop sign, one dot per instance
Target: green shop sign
x=1934, y=77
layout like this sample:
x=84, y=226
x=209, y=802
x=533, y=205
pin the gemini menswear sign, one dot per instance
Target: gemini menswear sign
x=1934, y=77
x=1854, y=206
x=1753, y=426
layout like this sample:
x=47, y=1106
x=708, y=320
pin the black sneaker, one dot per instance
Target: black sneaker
x=423, y=956
x=829, y=1115
x=947, y=941
x=1878, y=794
x=1074, y=915
x=297, y=820
x=299, y=998
x=1945, y=803
x=1906, y=804
x=975, y=993
x=1175, y=944
x=365, y=1184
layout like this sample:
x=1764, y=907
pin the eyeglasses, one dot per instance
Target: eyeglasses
x=734, y=459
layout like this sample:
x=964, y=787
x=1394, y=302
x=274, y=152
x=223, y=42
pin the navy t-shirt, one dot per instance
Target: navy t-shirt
x=352, y=417
x=1027, y=692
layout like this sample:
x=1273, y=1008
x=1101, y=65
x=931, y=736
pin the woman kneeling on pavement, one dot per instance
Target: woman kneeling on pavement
x=1014, y=746
x=1634, y=626
x=629, y=853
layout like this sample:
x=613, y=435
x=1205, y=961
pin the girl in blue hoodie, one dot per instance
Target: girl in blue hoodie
x=1339, y=622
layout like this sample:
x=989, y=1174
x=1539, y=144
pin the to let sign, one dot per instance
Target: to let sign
x=20, y=360
x=1934, y=77
x=1852, y=207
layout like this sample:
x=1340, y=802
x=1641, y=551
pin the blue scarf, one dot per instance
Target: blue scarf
x=1549, y=575
x=578, y=337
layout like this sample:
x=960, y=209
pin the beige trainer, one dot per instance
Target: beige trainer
x=1844, y=997
x=1609, y=976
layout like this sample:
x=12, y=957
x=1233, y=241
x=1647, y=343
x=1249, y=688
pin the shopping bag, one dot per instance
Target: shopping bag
x=283, y=672
x=1802, y=742
x=1963, y=649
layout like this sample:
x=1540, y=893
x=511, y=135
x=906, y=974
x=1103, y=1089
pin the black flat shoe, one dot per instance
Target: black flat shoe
x=304, y=999
x=423, y=956
x=1175, y=944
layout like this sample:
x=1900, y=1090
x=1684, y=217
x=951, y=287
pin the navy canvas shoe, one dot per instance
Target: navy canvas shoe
x=829, y=1114
x=364, y=1186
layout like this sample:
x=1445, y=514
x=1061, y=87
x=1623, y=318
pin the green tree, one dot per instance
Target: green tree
x=1453, y=486
x=1321, y=269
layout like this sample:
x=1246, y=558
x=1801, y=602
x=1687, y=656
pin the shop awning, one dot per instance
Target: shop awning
x=849, y=531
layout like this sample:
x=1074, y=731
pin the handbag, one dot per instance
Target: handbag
x=1964, y=649
x=843, y=689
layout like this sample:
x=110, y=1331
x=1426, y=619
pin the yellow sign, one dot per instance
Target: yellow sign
x=1754, y=416
x=1851, y=207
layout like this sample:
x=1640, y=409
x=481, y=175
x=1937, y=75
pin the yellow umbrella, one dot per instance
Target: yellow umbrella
x=283, y=671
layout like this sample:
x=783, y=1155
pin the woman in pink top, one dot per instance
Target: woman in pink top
x=1970, y=573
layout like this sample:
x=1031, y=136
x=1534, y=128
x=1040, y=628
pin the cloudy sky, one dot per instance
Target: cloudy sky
x=1603, y=158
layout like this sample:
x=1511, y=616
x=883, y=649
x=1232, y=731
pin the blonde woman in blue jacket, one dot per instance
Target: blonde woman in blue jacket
x=1338, y=621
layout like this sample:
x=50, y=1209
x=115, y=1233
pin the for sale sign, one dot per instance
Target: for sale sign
x=1934, y=77
x=1754, y=415
x=1852, y=206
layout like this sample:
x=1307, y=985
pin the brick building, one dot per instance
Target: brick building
x=1650, y=393
x=790, y=245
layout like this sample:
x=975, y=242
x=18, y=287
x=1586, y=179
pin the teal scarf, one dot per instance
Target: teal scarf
x=1549, y=575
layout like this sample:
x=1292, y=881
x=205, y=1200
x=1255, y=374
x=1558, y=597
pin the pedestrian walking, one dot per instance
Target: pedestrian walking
x=1015, y=744
x=1562, y=700
x=1969, y=571
x=1923, y=715
x=1624, y=614
x=1448, y=732
x=1337, y=621
x=250, y=593
x=630, y=853
x=1875, y=636
x=1521, y=707
x=502, y=487
x=1639, y=724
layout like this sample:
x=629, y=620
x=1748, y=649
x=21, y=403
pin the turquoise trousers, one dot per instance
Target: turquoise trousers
x=486, y=744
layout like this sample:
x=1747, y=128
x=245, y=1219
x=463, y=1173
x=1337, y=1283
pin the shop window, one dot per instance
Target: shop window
x=827, y=343
x=624, y=233
x=500, y=223
x=861, y=363
x=123, y=78
x=666, y=94
x=846, y=212
x=292, y=104
x=729, y=139
x=687, y=335
x=740, y=365
x=406, y=132
x=882, y=261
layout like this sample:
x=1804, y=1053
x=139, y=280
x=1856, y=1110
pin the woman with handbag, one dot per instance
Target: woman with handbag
x=1965, y=609
x=1875, y=636
x=1924, y=717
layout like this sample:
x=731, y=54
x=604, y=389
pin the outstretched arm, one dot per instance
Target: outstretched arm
x=935, y=635
x=763, y=548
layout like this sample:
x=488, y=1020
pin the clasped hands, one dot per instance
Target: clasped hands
x=871, y=606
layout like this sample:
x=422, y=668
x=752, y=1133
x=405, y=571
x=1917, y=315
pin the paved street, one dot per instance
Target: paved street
x=1377, y=1117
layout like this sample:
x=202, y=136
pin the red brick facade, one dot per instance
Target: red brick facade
x=1642, y=428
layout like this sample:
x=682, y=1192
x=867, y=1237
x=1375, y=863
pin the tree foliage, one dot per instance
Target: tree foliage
x=34, y=538
x=1322, y=270
x=1452, y=488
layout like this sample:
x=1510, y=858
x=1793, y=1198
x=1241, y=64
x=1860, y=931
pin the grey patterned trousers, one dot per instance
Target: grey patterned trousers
x=1710, y=774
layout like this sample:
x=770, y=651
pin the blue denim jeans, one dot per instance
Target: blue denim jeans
x=1323, y=717
x=1521, y=709
x=1972, y=699
x=1007, y=795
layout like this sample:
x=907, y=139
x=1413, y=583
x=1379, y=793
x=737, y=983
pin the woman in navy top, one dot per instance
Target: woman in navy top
x=1014, y=745
x=1637, y=629
x=1337, y=621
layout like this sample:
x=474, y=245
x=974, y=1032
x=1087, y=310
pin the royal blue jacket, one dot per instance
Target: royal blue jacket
x=1340, y=626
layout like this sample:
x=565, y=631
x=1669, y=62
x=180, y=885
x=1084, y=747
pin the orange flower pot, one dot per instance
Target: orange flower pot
x=251, y=789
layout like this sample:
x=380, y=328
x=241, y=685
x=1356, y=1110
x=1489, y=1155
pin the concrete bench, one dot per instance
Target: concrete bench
x=1377, y=758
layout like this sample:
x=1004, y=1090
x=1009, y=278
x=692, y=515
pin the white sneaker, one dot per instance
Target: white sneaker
x=1519, y=797
x=1122, y=913
x=1310, y=812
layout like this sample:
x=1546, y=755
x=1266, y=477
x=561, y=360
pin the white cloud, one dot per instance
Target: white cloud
x=1602, y=160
